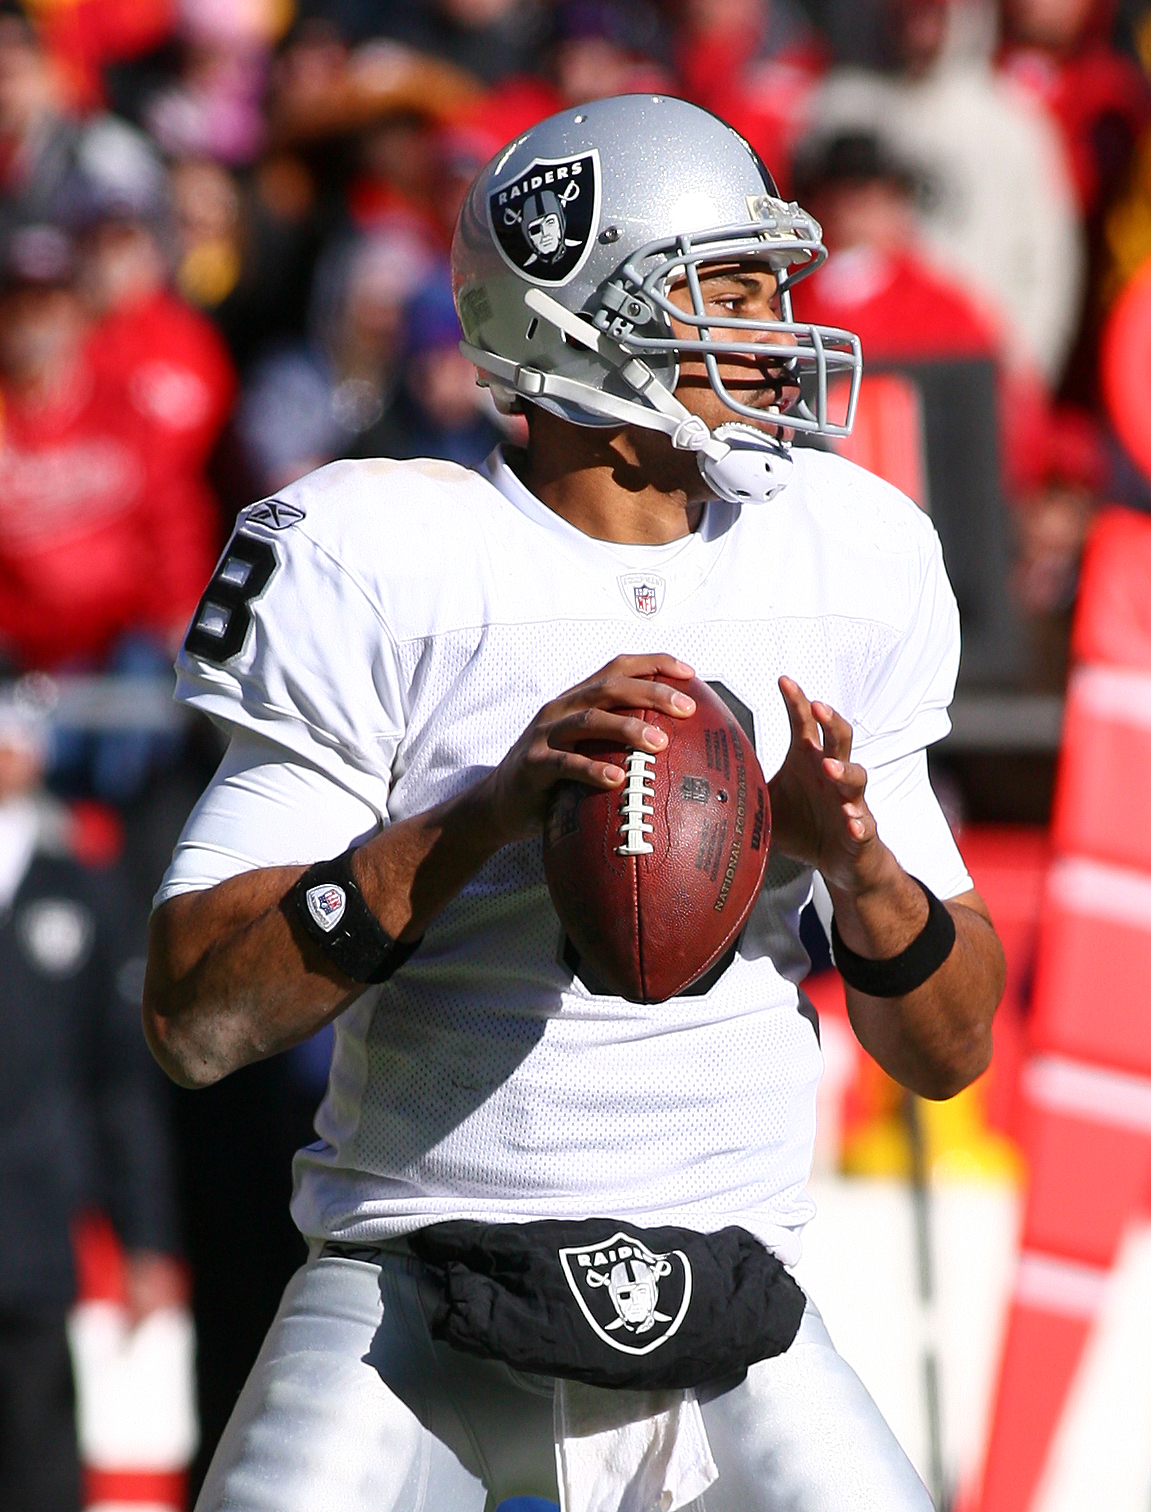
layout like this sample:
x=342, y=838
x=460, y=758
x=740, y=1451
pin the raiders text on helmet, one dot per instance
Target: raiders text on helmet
x=565, y=251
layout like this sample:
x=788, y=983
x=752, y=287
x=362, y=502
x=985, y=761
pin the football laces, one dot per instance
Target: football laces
x=639, y=788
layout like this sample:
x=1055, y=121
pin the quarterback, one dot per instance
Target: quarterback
x=407, y=657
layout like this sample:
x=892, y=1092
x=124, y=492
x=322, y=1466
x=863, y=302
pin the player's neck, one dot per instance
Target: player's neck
x=612, y=485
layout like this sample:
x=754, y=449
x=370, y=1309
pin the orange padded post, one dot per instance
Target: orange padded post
x=1086, y=1087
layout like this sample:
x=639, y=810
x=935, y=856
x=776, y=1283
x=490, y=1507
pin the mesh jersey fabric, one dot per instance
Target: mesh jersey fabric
x=417, y=617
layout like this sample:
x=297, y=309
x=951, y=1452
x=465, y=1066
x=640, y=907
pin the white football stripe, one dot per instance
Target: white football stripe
x=1119, y=694
x=1067, y=1287
x=1108, y=1097
x=1115, y=893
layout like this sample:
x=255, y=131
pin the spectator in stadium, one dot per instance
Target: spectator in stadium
x=880, y=285
x=47, y=151
x=906, y=310
x=93, y=544
x=1060, y=52
x=397, y=185
x=877, y=284
x=605, y=47
x=82, y=1118
x=244, y=256
x=1098, y=98
x=169, y=360
x=307, y=403
x=85, y=38
x=754, y=62
x=439, y=411
x=37, y=142
x=999, y=208
x=214, y=108
x=492, y=39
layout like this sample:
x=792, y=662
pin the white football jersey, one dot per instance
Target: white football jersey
x=376, y=638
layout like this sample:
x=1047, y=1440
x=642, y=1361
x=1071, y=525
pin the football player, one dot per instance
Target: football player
x=406, y=657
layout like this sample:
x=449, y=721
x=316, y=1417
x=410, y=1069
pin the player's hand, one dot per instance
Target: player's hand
x=546, y=752
x=819, y=814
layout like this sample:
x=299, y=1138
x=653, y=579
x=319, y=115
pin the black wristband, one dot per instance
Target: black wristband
x=333, y=912
x=909, y=969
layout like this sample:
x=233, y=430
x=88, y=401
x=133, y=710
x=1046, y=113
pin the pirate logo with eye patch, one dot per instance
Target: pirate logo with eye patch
x=633, y=1298
x=544, y=218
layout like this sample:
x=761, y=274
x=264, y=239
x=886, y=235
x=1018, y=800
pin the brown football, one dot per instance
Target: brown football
x=654, y=881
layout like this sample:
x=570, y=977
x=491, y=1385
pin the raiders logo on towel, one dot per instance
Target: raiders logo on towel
x=544, y=218
x=633, y=1298
x=654, y=1308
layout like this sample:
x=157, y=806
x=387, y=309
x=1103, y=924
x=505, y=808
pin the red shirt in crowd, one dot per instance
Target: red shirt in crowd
x=767, y=99
x=1099, y=100
x=98, y=533
x=174, y=370
x=900, y=309
x=904, y=311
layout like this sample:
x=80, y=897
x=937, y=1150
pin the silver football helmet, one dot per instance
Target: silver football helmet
x=567, y=245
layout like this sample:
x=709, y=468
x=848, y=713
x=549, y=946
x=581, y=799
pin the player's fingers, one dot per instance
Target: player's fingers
x=571, y=766
x=861, y=827
x=618, y=692
x=599, y=725
x=803, y=722
x=837, y=731
x=660, y=663
x=849, y=777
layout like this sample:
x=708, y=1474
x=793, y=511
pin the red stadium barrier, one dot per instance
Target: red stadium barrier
x=887, y=437
x=1107, y=732
x=1125, y=367
x=1086, y=1089
x=1113, y=616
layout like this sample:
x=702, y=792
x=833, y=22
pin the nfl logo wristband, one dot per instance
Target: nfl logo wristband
x=332, y=910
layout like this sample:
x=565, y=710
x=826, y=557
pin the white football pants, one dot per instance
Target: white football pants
x=351, y=1407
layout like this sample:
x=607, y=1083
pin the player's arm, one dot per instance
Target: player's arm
x=937, y=1038
x=232, y=977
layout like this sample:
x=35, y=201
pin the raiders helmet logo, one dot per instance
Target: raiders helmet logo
x=545, y=217
x=633, y=1299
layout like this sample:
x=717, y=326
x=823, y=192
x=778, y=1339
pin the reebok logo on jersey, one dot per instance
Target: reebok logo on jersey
x=634, y=1299
x=643, y=592
x=326, y=905
x=544, y=218
x=275, y=514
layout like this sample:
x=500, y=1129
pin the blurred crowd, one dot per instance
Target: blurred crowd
x=224, y=230
x=224, y=227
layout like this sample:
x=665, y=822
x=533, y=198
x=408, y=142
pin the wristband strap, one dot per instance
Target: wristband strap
x=906, y=971
x=333, y=912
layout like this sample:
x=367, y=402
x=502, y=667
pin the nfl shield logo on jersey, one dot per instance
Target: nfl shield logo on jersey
x=634, y=1299
x=326, y=904
x=543, y=218
x=643, y=592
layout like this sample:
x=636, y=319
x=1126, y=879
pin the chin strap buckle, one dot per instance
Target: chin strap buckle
x=691, y=435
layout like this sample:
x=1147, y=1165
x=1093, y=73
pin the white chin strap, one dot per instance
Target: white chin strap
x=740, y=464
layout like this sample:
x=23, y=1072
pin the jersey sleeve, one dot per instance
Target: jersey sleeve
x=913, y=826
x=287, y=644
x=264, y=807
x=905, y=697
